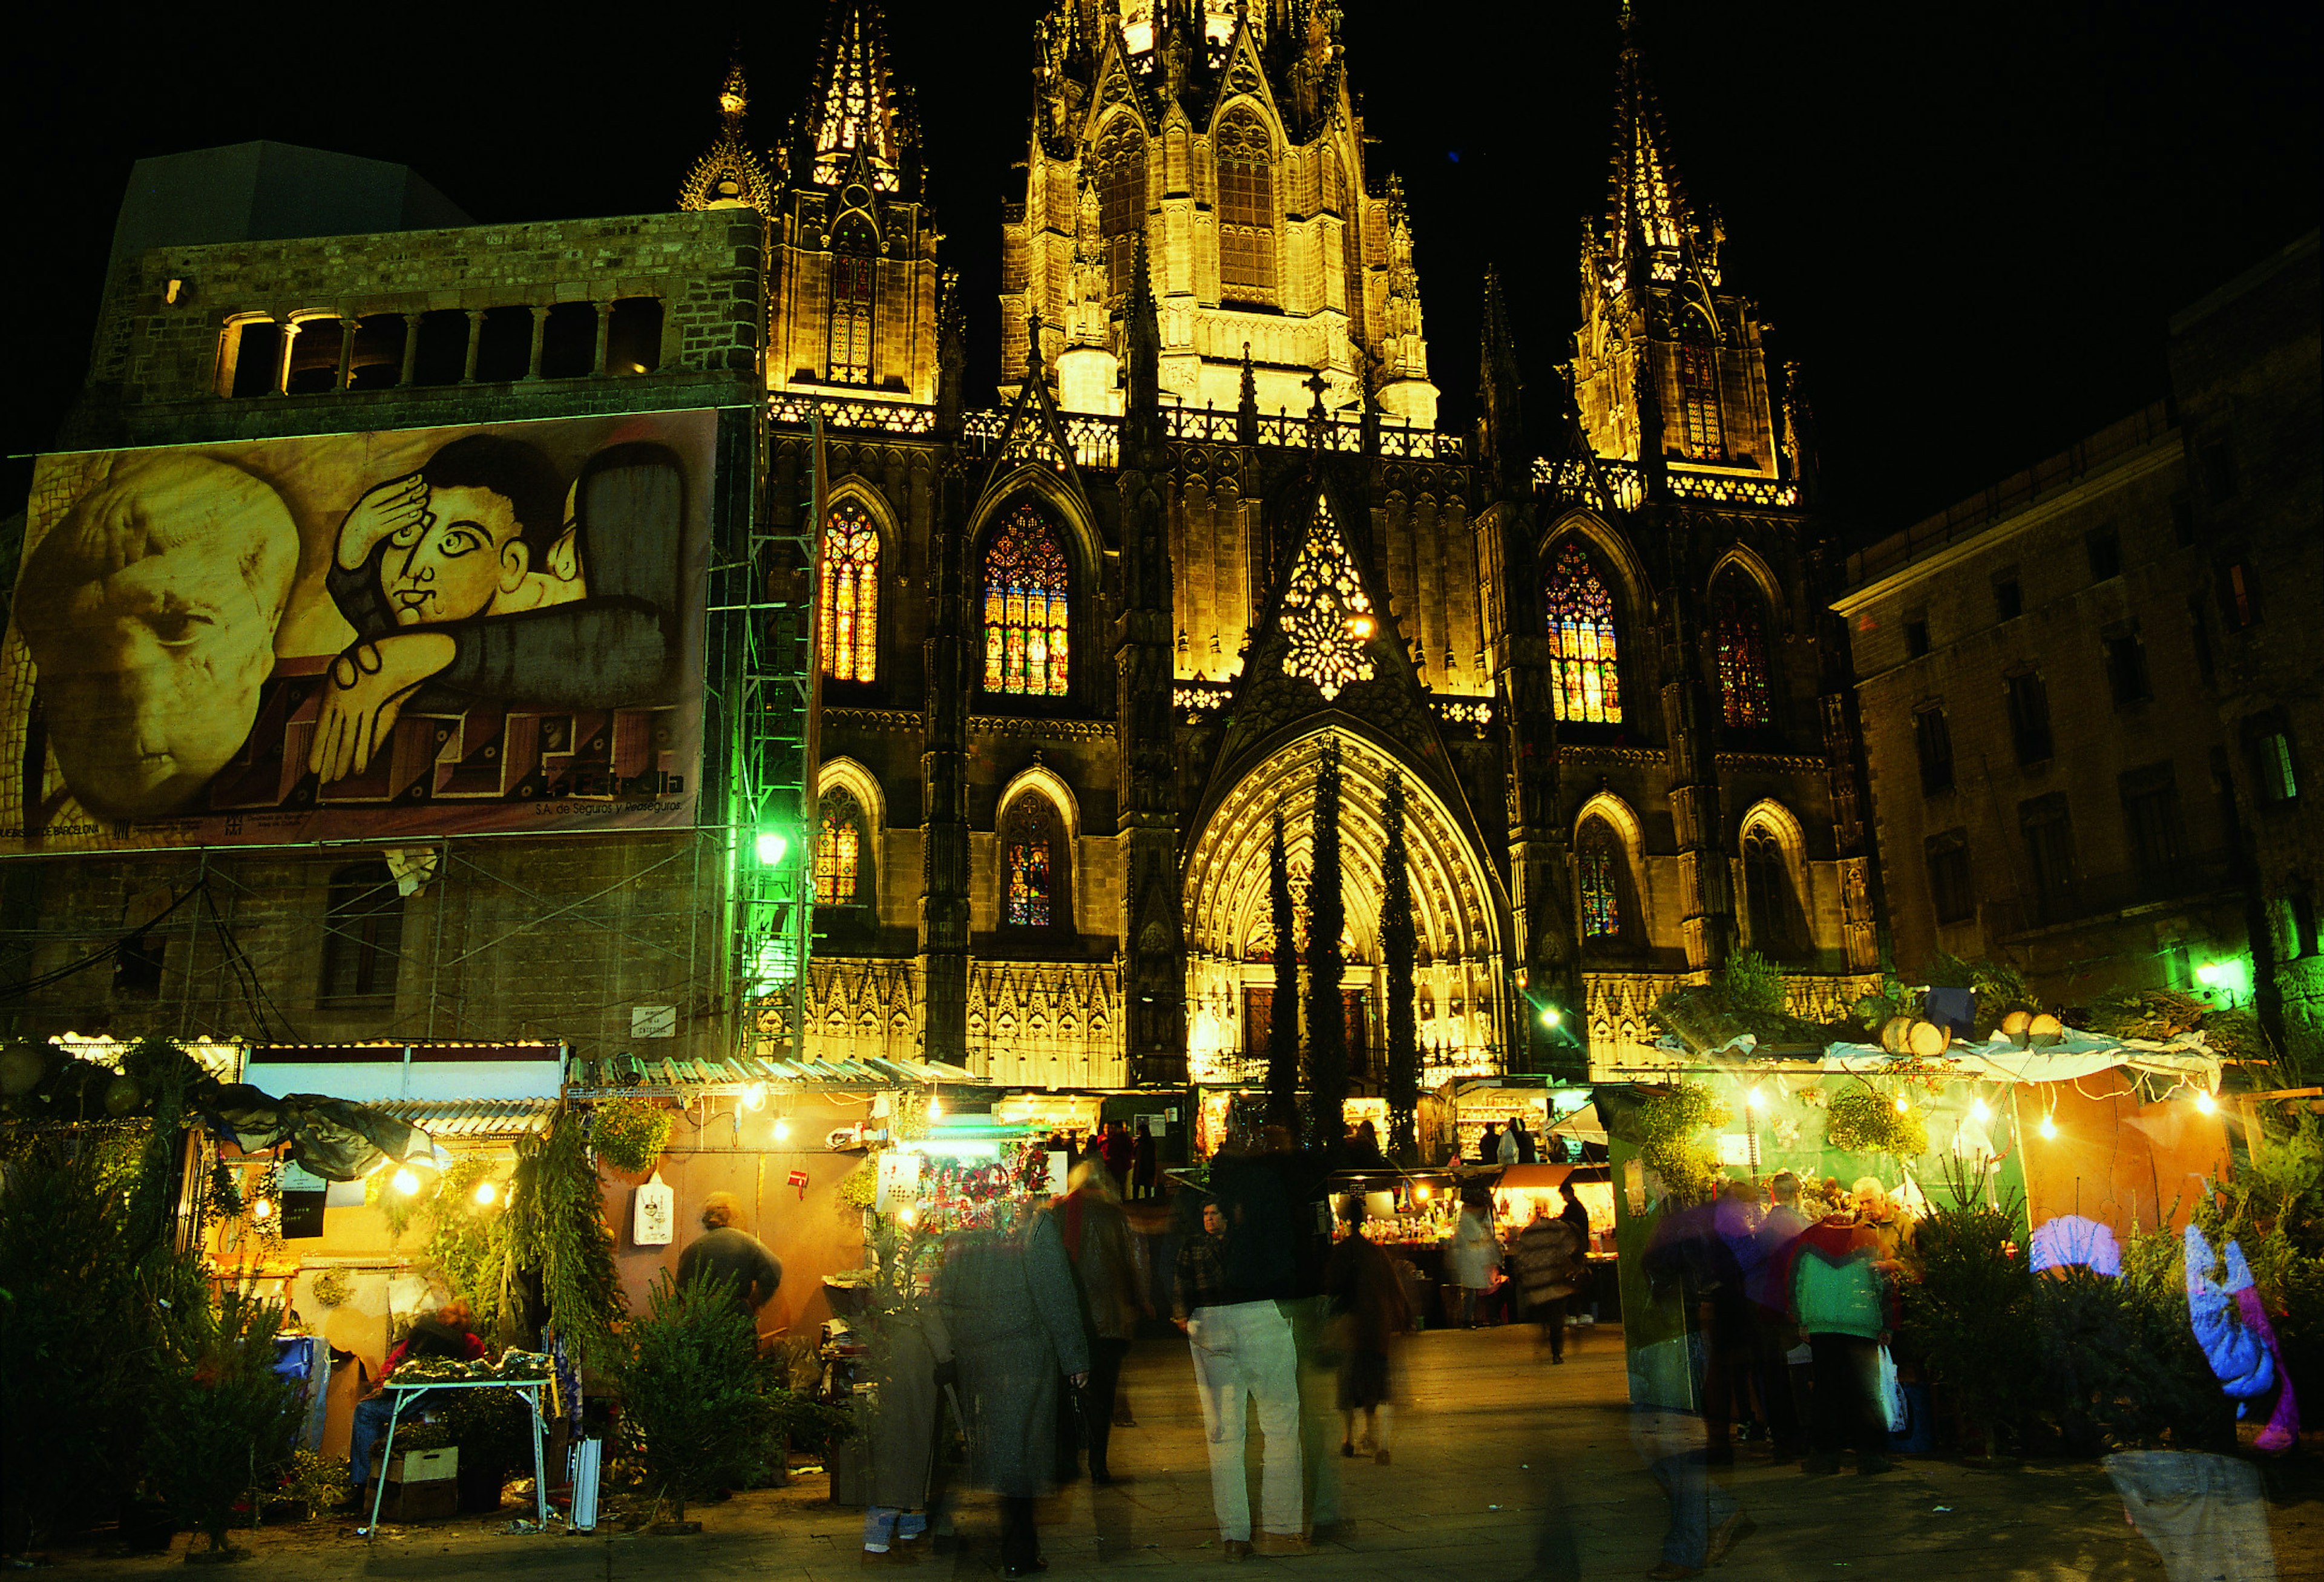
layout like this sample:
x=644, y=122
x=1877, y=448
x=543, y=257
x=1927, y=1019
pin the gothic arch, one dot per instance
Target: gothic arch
x=860, y=491
x=1747, y=560
x=846, y=776
x=1044, y=787
x=1613, y=547
x=1631, y=836
x=1083, y=544
x=1620, y=813
x=1459, y=910
x=1777, y=913
x=1085, y=593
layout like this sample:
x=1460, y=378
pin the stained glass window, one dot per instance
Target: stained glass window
x=1739, y=621
x=849, y=622
x=1582, y=642
x=1327, y=615
x=1697, y=381
x=851, y=280
x=839, y=851
x=1028, y=864
x=1602, y=896
x=1246, y=210
x=1024, y=606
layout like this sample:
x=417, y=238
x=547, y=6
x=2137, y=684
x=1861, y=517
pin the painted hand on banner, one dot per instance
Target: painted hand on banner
x=366, y=693
x=397, y=510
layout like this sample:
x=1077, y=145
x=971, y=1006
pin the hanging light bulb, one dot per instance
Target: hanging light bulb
x=1980, y=1109
x=1904, y=1105
x=2205, y=1102
x=406, y=1183
x=262, y=1209
x=485, y=1192
x=906, y=1217
x=755, y=1097
x=1421, y=1191
x=782, y=1130
x=1756, y=1099
x=936, y=1106
x=2049, y=1127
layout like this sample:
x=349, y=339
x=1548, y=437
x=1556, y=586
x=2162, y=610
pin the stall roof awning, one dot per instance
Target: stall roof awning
x=664, y=1075
x=2076, y=1055
x=454, y=1120
x=1533, y=1177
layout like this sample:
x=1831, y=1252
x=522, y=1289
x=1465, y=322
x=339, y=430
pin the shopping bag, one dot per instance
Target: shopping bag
x=1896, y=1413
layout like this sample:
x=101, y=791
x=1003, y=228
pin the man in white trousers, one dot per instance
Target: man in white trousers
x=1242, y=1351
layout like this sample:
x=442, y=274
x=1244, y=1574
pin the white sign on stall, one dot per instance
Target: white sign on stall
x=899, y=1180
x=654, y=1222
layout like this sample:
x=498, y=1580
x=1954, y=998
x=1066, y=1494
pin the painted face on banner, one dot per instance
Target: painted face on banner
x=457, y=562
x=149, y=613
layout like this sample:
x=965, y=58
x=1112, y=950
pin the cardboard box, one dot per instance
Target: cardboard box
x=436, y=1500
x=439, y=1465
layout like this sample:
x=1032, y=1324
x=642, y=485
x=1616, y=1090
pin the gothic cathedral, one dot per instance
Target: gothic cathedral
x=1083, y=640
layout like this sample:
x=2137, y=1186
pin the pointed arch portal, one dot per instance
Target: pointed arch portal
x=1457, y=914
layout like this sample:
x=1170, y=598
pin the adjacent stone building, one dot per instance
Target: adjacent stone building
x=2084, y=703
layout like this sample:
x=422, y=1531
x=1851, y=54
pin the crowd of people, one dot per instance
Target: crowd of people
x=1760, y=1277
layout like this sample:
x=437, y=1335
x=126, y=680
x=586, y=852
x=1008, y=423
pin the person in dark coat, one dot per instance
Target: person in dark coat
x=726, y=1250
x=1145, y=1163
x=1009, y=1302
x=1371, y=1314
x=1489, y=1146
x=1104, y=1257
x=911, y=1342
x=1548, y=1256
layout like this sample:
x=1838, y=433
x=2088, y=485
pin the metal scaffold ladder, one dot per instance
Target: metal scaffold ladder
x=771, y=813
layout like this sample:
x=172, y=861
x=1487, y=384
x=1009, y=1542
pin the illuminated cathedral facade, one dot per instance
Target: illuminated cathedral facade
x=1081, y=639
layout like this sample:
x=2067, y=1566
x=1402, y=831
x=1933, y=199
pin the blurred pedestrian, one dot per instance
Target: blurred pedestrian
x=1769, y=1313
x=1575, y=1215
x=1118, y=1150
x=726, y=1251
x=911, y=1343
x=1548, y=1260
x=1474, y=1261
x=1099, y=1244
x=1505, y=1151
x=1370, y=1314
x=1488, y=1145
x=1008, y=1299
x=1839, y=1295
x=1364, y=1148
x=1230, y=1279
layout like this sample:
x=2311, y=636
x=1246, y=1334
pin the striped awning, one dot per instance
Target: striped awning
x=458, y=1120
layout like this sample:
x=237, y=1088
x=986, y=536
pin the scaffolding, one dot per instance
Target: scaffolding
x=769, y=609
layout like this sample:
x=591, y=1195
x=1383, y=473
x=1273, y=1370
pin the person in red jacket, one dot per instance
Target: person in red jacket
x=444, y=1335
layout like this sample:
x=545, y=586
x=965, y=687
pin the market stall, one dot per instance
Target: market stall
x=2123, y=1132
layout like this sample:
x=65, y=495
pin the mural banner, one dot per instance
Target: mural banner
x=490, y=629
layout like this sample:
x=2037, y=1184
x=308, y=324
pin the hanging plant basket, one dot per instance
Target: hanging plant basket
x=1865, y=1121
x=630, y=1134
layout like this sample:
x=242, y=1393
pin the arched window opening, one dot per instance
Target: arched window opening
x=1698, y=390
x=1776, y=922
x=1024, y=608
x=1739, y=621
x=839, y=842
x=363, y=936
x=850, y=622
x=1122, y=198
x=1246, y=157
x=1583, y=645
x=854, y=276
x=1029, y=866
x=1601, y=862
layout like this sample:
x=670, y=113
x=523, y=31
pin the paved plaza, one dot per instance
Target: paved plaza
x=1512, y=1469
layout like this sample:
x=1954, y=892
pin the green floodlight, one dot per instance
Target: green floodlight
x=773, y=847
x=2234, y=974
x=1551, y=1015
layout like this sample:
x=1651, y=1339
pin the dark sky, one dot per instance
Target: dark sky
x=1970, y=222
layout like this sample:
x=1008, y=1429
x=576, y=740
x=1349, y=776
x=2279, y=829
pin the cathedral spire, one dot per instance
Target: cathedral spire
x=1500, y=420
x=854, y=110
x=1646, y=206
x=731, y=175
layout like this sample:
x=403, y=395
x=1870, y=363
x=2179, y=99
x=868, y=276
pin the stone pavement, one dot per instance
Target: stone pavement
x=1502, y=1466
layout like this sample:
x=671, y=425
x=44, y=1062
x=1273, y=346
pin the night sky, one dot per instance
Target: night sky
x=1971, y=222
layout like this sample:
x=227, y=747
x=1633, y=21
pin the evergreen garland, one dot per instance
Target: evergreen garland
x=1283, y=1010
x=1327, y=911
x=556, y=1229
x=1399, y=943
